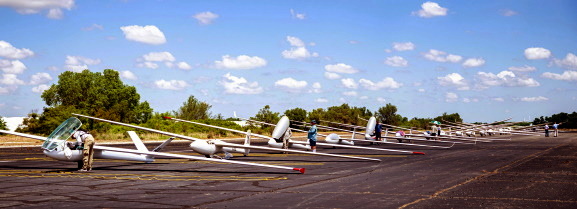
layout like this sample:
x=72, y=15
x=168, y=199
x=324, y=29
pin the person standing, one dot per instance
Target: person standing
x=85, y=138
x=312, y=136
x=555, y=129
x=378, y=131
x=546, y=130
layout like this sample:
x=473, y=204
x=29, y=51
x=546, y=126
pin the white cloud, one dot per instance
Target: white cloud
x=40, y=78
x=350, y=93
x=525, y=68
x=170, y=85
x=341, y=68
x=566, y=76
x=321, y=100
x=498, y=99
x=11, y=52
x=12, y=67
x=441, y=56
x=537, y=53
x=316, y=88
x=406, y=46
x=386, y=83
x=128, y=75
x=205, y=18
x=4, y=91
x=451, y=97
x=504, y=78
x=332, y=76
x=431, y=9
x=242, y=62
x=469, y=100
x=11, y=79
x=183, y=66
x=55, y=14
x=300, y=16
x=381, y=100
x=569, y=62
x=454, y=79
x=54, y=7
x=298, y=49
x=349, y=83
x=291, y=85
x=79, y=63
x=396, y=61
x=473, y=62
x=236, y=85
x=294, y=41
x=151, y=60
x=149, y=34
x=421, y=90
x=150, y=65
x=508, y=12
x=158, y=57
x=533, y=99
x=93, y=27
x=364, y=97
x=40, y=88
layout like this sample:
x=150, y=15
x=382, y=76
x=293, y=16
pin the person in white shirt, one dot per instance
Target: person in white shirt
x=85, y=138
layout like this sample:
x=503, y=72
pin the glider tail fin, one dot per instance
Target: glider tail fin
x=157, y=149
x=247, y=142
x=137, y=141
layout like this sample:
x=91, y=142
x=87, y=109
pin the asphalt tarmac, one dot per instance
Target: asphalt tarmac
x=525, y=172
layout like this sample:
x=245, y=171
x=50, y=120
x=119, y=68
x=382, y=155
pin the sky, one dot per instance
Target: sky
x=486, y=60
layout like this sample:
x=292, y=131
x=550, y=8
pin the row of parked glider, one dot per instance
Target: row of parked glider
x=56, y=145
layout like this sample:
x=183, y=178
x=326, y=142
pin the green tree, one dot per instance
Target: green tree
x=266, y=115
x=98, y=94
x=297, y=114
x=455, y=118
x=193, y=109
x=388, y=114
x=317, y=114
x=3, y=124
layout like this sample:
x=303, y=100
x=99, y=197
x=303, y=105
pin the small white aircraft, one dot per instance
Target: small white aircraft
x=55, y=146
x=369, y=137
x=215, y=146
x=282, y=128
x=488, y=129
x=434, y=138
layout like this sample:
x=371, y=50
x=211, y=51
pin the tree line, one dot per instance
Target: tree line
x=104, y=95
x=566, y=120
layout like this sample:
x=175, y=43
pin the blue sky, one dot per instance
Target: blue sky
x=486, y=60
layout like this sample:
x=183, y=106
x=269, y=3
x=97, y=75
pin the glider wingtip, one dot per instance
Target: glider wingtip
x=302, y=170
x=419, y=153
x=166, y=117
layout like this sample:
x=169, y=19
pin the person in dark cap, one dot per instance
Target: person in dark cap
x=312, y=135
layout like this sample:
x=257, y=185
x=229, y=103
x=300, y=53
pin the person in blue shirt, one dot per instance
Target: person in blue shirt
x=378, y=131
x=312, y=136
x=555, y=130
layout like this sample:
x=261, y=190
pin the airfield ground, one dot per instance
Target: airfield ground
x=526, y=172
